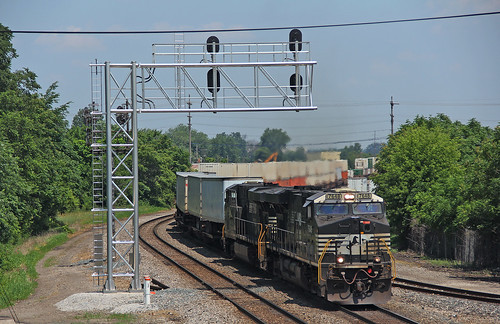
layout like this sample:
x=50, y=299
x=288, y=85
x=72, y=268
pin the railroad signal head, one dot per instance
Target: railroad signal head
x=212, y=44
x=210, y=80
x=295, y=36
x=294, y=85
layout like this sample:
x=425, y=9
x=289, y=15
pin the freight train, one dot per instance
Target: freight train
x=333, y=243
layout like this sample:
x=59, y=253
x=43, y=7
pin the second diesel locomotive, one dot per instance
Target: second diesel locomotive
x=333, y=243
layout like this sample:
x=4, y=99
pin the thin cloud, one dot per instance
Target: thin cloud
x=70, y=43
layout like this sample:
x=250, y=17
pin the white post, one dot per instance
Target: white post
x=147, y=293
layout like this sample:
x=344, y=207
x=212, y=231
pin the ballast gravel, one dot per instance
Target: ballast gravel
x=187, y=305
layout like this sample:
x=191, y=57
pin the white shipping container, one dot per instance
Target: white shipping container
x=181, y=194
x=206, y=193
x=361, y=184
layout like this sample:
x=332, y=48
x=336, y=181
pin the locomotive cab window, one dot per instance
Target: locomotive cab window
x=367, y=208
x=331, y=209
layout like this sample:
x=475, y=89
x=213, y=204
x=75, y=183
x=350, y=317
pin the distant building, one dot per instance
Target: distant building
x=365, y=163
x=358, y=177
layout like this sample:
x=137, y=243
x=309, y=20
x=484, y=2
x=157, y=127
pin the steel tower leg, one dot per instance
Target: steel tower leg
x=110, y=284
x=136, y=283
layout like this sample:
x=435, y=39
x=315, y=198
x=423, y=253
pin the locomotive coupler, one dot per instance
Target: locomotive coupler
x=360, y=286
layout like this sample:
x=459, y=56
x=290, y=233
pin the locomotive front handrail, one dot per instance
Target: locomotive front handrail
x=393, y=260
x=321, y=259
x=259, y=241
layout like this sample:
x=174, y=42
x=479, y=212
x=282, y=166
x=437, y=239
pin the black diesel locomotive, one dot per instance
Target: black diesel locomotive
x=333, y=243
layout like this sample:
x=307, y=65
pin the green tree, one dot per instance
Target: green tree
x=275, y=140
x=13, y=194
x=481, y=207
x=7, y=53
x=373, y=149
x=350, y=153
x=36, y=131
x=262, y=153
x=159, y=159
x=200, y=142
x=298, y=155
x=228, y=148
x=420, y=177
x=82, y=159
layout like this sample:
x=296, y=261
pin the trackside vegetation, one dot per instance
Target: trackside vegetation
x=443, y=176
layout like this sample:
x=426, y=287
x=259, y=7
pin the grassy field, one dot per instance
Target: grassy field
x=82, y=220
x=17, y=263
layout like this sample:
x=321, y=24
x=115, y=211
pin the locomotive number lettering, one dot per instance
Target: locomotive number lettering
x=364, y=196
x=333, y=196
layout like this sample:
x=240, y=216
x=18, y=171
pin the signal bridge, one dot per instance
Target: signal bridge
x=209, y=77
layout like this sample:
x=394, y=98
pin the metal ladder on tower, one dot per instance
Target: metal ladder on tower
x=98, y=148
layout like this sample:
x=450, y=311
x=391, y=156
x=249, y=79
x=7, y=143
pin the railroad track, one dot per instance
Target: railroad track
x=446, y=291
x=374, y=314
x=257, y=308
x=251, y=304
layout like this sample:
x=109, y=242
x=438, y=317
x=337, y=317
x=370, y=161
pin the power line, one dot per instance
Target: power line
x=247, y=29
x=342, y=142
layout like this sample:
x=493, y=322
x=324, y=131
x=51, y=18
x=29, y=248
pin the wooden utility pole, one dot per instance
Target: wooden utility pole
x=392, y=115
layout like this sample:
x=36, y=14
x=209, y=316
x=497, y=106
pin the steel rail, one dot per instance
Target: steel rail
x=395, y=315
x=446, y=291
x=354, y=314
x=359, y=314
x=214, y=289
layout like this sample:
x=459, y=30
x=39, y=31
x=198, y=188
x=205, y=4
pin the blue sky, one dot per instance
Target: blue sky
x=445, y=66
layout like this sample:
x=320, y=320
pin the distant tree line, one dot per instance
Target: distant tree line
x=234, y=148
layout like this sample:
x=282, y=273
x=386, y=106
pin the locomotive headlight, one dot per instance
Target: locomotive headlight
x=349, y=196
x=377, y=259
x=340, y=259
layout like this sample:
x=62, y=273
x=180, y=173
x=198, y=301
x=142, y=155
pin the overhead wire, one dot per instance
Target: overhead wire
x=221, y=30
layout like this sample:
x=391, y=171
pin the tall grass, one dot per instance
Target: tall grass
x=18, y=273
x=18, y=263
x=81, y=220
